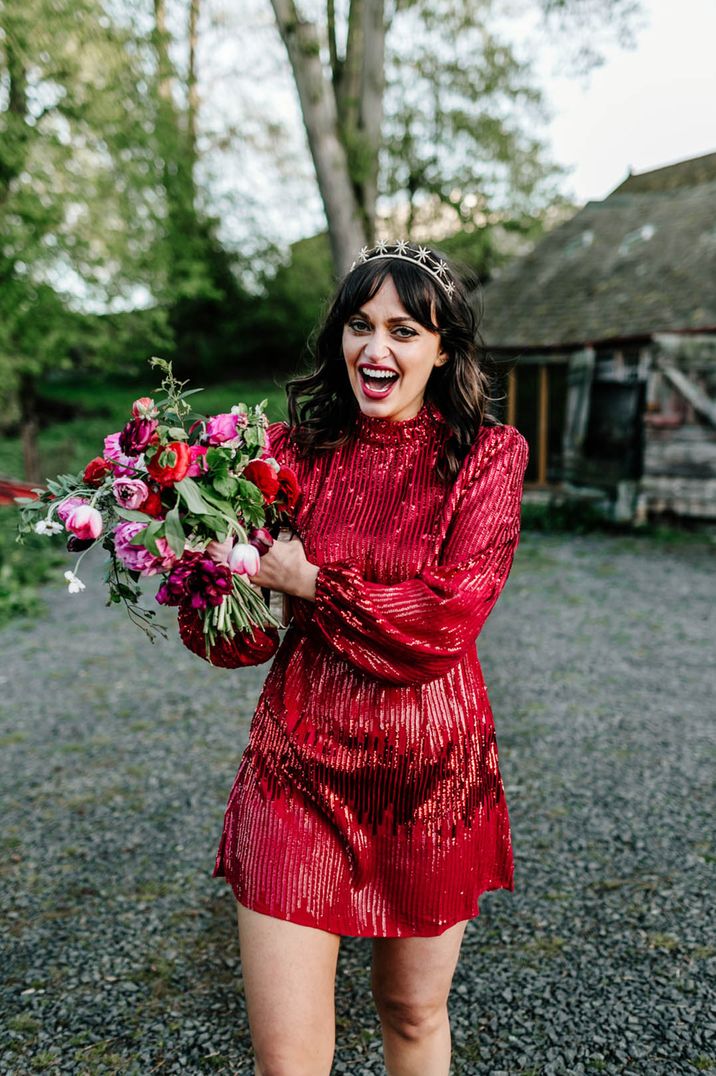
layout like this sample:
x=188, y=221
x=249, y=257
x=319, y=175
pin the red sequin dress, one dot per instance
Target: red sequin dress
x=369, y=800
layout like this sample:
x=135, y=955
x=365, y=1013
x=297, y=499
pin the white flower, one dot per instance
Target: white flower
x=48, y=526
x=74, y=584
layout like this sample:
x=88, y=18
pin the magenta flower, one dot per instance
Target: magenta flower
x=135, y=557
x=118, y=461
x=136, y=435
x=223, y=429
x=84, y=522
x=198, y=579
x=197, y=454
x=130, y=492
x=244, y=559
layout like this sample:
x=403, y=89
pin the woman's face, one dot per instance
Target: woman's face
x=382, y=336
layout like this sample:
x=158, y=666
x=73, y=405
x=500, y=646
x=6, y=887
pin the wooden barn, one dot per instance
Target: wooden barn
x=606, y=333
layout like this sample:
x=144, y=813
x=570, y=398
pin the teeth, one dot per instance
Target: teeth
x=378, y=373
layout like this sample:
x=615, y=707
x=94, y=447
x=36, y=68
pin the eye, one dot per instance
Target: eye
x=358, y=324
x=406, y=330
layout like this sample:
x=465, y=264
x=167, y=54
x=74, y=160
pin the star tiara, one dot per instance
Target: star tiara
x=418, y=255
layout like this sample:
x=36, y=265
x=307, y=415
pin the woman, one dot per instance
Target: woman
x=369, y=800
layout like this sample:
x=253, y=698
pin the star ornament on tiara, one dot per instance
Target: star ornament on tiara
x=405, y=251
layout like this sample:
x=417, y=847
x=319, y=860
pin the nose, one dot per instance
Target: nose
x=377, y=346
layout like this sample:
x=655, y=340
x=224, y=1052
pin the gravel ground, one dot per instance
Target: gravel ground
x=120, y=951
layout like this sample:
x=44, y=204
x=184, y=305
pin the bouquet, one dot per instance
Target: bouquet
x=195, y=500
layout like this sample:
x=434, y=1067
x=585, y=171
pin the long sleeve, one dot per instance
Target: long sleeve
x=417, y=630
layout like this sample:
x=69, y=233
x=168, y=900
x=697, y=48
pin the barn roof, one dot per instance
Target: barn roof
x=641, y=261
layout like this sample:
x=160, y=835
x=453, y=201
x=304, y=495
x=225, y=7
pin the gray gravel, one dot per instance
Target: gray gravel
x=119, y=949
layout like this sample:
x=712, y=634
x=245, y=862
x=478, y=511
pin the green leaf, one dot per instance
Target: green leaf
x=175, y=532
x=133, y=515
x=226, y=485
x=192, y=496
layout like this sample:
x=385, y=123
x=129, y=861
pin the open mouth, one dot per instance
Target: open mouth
x=377, y=383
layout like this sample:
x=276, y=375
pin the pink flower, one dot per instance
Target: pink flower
x=245, y=559
x=130, y=492
x=64, y=509
x=221, y=429
x=144, y=407
x=84, y=522
x=120, y=464
x=135, y=557
x=197, y=466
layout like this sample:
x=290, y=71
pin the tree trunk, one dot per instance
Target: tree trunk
x=192, y=92
x=346, y=225
x=371, y=105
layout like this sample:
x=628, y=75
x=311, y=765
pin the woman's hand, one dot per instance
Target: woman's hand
x=285, y=567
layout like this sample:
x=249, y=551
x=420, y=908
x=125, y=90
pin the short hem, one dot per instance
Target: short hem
x=344, y=930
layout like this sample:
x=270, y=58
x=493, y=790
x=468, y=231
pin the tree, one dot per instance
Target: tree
x=77, y=184
x=444, y=81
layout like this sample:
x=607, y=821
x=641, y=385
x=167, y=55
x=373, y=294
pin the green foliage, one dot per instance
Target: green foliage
x=24, y=567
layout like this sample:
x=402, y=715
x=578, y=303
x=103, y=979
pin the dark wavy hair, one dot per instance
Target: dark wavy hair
x=459, y=387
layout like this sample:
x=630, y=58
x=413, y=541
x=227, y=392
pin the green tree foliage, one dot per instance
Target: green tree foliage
x=78, y=183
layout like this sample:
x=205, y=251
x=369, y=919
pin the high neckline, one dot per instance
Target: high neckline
x=398, y=431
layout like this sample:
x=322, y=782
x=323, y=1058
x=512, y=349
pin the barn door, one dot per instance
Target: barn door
x=580, y=373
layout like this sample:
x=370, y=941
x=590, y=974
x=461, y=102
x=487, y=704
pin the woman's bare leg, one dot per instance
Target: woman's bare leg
x=411, y=982
x=289, y=976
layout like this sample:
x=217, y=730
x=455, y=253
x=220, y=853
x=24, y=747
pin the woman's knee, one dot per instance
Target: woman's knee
x=412, y=1019
x=273, y=1060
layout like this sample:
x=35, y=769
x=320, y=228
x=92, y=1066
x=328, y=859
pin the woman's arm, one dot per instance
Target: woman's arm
x=417, y=630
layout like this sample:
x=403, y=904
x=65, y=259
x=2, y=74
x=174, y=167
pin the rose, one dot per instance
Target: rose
x=96, y=471
x=130, y=492
x=170, y=463
x=222, y=429
x=144, y=407
x=197, y=467
x=84, y=521
x=137, y=435
x=68, y=505
x=263, y=475
x=119, y=463
x=136, y=558
x=288, y=488
x=244, y=559
x=153, y=504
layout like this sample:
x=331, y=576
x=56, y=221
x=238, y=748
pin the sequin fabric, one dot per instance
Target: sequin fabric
x=369, y=800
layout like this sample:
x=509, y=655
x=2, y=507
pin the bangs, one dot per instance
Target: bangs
x=416, y=291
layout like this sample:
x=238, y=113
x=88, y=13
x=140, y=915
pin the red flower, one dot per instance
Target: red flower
x=264, y=476
x=96, y=471
x=228, y=652
x=288, y=488
x=153, y=504
x=170, y=463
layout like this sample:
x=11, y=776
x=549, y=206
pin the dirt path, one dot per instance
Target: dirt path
x=119, y=949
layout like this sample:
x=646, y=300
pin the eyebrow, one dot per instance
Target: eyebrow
x=400, y=317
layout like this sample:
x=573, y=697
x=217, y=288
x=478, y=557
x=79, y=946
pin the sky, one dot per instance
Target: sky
x=646, y=106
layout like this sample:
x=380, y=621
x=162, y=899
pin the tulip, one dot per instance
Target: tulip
x=244, y=559
x=261, y=539
x=144, y=407
x=84, y=522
